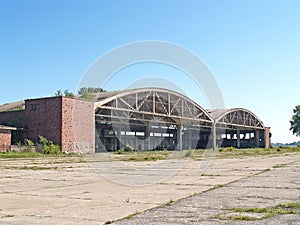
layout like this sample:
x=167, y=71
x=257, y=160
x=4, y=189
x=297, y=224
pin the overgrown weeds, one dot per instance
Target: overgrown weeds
x=251, y=214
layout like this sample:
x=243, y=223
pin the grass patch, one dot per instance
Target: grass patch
x=290, y=205
x=132, y=215
x=170, y=202
x=32, y=168
x=26, y=155
x=238, y=217
x=156, y=155
x=9, y=216
x=138, y=157
x=5, y=155
x=279, y=166
x=141, y=155
x=245, y=213
x=198, y=153
x=218, y=186
x=127, y=217
x=20, y=154
x=233, y=152
x=128, y=155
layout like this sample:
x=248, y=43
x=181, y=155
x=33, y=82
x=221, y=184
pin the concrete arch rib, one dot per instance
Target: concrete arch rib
x=171, y=103
x=236, y=117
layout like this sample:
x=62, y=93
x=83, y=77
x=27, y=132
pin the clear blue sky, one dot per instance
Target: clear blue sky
x=252, y=47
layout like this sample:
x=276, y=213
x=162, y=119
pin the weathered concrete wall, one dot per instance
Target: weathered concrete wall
x=5, y=140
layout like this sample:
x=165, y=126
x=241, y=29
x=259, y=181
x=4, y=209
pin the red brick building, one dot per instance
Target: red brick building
x=145, y=119
x=5, y=138
x=66, y=121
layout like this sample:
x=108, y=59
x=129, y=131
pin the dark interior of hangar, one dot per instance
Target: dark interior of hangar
x=157, y=119
x=152, y=137
x=241, y=138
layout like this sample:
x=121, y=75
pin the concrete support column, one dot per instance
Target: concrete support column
x=256, y=138
x=238, y=136
x=112, y=143
x=119, y=141
x=147, y=138
x=214, y=137
x=190, y=138
x=136, y=142
x=179, y=137
x=104, y=140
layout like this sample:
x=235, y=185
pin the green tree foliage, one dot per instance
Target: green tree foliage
x=66, y=93
x=69, y=94
x=295, y=122
x=58, y=93
x=88, y=92
x=88, y=96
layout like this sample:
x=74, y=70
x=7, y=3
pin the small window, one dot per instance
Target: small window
x=35, y=107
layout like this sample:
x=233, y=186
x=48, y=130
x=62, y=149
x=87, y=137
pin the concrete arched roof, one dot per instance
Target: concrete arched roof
x=236, y=116
x=106, y=97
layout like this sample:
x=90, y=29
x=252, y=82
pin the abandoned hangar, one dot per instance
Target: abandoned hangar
x=145, y=118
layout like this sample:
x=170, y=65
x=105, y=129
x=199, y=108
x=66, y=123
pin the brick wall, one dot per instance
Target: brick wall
x=43, y=117
x=5, y=140
x=13, y=118
x=268, y=139
x=65, y=121
x=78, y=125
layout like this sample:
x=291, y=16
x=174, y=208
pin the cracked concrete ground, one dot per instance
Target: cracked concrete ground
x=70, y=191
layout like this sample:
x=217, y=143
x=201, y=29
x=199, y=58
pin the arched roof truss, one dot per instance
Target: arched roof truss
x=239, y=118
x=148, y=104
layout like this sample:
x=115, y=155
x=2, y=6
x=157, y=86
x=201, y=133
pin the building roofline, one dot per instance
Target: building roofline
x=2, y=127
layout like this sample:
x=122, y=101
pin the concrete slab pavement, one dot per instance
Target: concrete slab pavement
x=69, y=191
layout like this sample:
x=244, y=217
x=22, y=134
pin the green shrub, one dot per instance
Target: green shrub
x=121, y=151
x=28, y=142
x=128, y=148
x=231, y=148
x=29, y=146
x=43, y=141
x=51, y=149
x=125, y=149
x=48, y=147
x=188, y=154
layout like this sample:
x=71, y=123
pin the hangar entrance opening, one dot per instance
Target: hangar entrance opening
x=157, y=119
x=239, y=128
x=151, y=119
